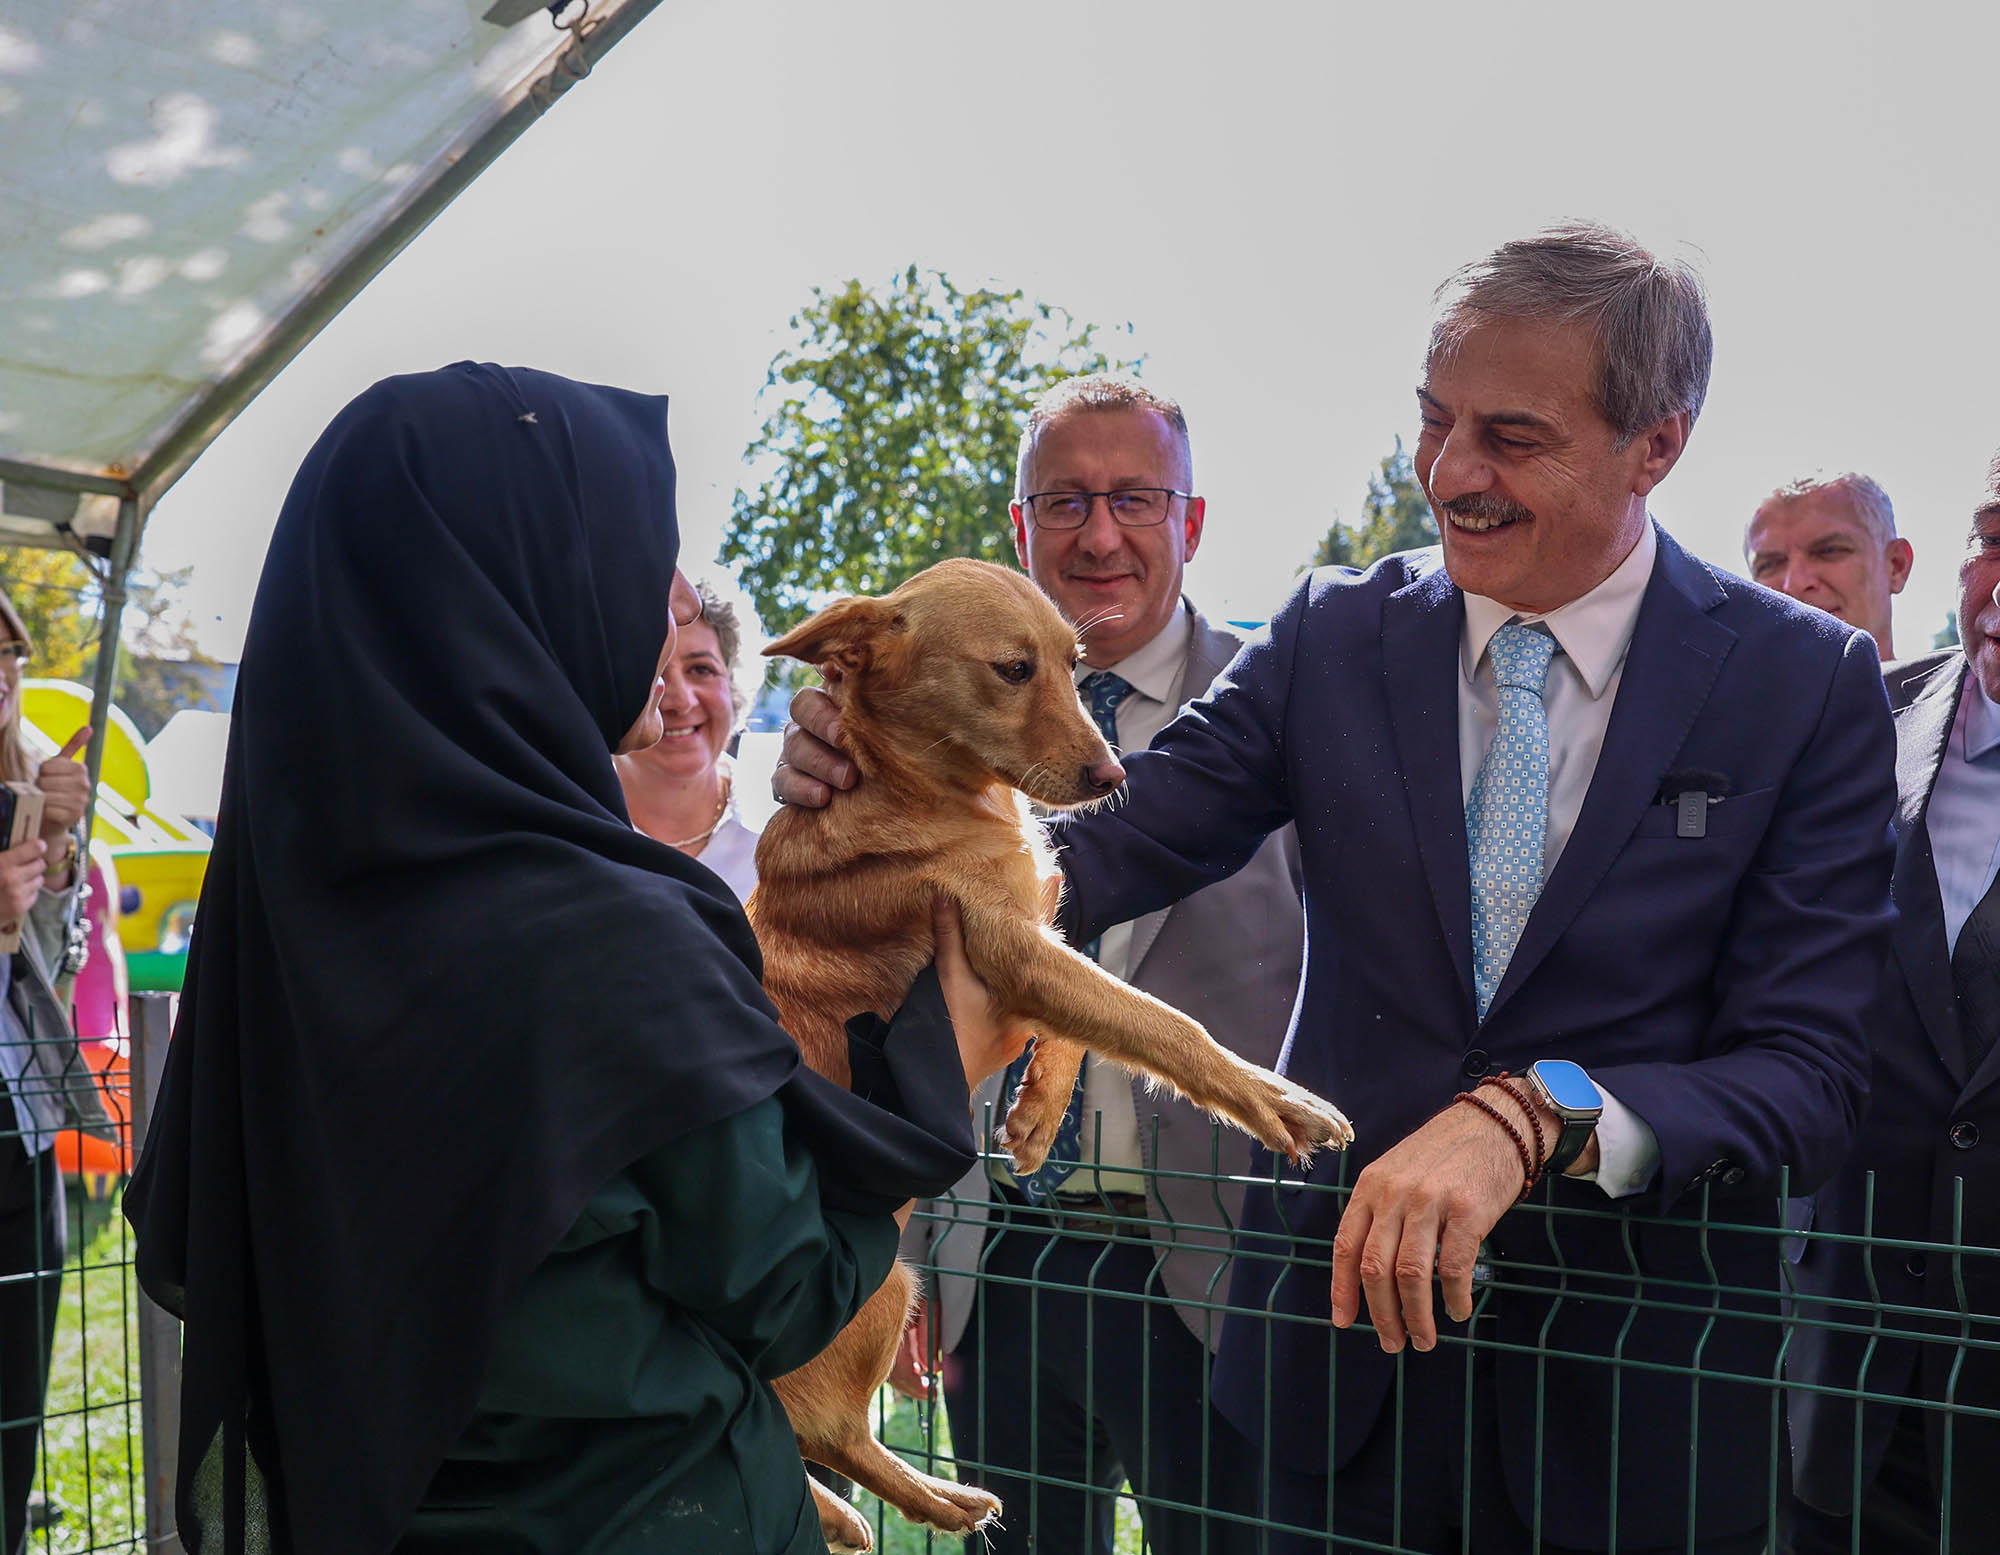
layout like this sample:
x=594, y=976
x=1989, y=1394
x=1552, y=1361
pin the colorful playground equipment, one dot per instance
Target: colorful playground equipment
x=146, y=871
x=160, y=856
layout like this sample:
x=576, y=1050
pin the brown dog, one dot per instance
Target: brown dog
x=956, y=700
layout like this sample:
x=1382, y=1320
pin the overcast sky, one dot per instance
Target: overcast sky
x=1266, y=193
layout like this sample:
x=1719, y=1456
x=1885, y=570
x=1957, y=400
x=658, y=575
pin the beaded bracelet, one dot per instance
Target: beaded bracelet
x=1507, y=1083
x=1531, y=1161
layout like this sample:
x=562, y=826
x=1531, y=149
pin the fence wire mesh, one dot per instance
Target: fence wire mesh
x=1737, y=1352
x=71, y=1464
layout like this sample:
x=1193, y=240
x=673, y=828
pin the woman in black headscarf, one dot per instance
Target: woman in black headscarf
x=482, y=1176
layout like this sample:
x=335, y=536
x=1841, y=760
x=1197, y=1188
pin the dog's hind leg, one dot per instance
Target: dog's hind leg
x=828, y=1401
x=845, y=1529
x=943, y=1504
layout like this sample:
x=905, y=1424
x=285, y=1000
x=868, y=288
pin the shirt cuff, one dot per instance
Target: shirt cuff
x=1628, y=1151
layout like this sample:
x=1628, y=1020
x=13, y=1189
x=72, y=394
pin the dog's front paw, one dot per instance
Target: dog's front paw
x=1029, y=1131
x=1289, y=1120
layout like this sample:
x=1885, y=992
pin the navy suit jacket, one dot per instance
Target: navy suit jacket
x=1715, y=985
x=1932, y=1140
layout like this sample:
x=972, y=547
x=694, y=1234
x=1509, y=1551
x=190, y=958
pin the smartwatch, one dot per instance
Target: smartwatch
x=1567, y=1091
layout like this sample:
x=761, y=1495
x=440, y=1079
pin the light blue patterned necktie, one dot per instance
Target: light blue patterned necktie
x=1507, y=817
x=1104, y=691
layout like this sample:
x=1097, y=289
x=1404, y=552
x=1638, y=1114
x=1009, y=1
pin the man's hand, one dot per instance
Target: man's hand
x=22, y=870
x=811, y=766
x=1426, y=1206
x=987, y=1043
x=910, y=1373
x=65, y=787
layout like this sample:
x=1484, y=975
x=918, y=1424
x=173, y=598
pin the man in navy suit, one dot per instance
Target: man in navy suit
x=1930, y=1140
x=1563, y=794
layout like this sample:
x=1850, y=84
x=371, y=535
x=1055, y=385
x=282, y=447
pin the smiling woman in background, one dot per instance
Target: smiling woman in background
x=681, y=791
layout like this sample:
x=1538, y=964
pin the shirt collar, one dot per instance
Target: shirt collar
x=1593, y=631
x=1981, y=716
x=1154, y=668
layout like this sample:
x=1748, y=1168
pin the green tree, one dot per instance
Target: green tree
x=1947, y=635
x=890, y=438
x=160, y=670
x=159, y=667
x=56, y=594
x=1395, y=516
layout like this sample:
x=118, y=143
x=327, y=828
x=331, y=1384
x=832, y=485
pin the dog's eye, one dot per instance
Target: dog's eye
x=1017, y=673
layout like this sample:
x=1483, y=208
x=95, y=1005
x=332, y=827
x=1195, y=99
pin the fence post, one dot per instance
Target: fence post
x=159, y=1331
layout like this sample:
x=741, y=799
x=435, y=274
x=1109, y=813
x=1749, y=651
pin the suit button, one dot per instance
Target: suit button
x=1914, y=1265
x=1476, y=1064
x=1965, y=1135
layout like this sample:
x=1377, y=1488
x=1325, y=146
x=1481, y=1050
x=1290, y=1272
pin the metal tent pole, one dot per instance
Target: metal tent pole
x=159, y=1331
x=124, y=546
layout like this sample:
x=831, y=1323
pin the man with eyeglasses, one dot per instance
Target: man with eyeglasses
x=1098, y=1370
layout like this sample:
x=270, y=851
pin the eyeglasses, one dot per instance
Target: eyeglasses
x=18, y=651
x=685, y=601
x=1136, y=507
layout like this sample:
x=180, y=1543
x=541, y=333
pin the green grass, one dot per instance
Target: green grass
x=90, y=1463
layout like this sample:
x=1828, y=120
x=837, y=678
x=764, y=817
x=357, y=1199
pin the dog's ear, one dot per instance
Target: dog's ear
x=843, y=637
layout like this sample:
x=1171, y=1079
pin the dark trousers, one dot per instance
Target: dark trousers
x=33, y=1230
x=1088, y=1377
x=1899, y=1509
x=1452, y=1500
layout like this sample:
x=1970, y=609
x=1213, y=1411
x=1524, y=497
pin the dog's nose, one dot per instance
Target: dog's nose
x=1103, y=777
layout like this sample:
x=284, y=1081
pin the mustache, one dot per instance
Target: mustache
x=1484, y=504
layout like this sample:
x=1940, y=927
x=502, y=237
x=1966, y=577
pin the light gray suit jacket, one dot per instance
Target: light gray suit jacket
x=1230, y=956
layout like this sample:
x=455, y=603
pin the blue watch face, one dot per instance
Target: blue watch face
x=1568, y=1086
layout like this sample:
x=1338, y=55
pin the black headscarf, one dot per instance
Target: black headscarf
x=440, y=991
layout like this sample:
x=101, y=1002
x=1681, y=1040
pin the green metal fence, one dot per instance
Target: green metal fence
x=111, y=1495
x=1724, y=1317
x=88, y=1492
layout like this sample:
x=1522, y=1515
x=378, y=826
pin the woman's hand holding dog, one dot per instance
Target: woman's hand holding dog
x=987, y=1042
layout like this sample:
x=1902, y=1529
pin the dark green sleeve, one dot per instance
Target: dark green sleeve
x=738, y=1238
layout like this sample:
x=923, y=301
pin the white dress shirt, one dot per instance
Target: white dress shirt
x=731, y=849
x=1592, y=635
x=1964, y=815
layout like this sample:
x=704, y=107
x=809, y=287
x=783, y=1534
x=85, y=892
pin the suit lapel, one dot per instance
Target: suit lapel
x=1676, y=653
x=1421, y=625
x=1923, y=729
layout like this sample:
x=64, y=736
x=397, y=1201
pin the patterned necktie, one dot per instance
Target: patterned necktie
x=1103, y=691
x=1975, y=976
x=1507, y=817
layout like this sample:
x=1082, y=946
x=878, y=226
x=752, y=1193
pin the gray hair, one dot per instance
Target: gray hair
x=1649, y=315
x=720, y=617
x=1100, y=391
x=1870, y=501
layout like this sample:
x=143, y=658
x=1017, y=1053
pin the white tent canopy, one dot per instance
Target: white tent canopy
x=191, y=189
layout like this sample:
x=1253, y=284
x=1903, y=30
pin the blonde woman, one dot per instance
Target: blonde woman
x=47, y=1085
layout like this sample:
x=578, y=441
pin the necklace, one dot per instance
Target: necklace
x=699, y=838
